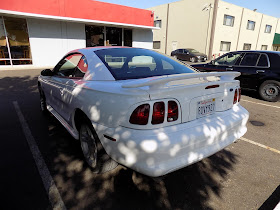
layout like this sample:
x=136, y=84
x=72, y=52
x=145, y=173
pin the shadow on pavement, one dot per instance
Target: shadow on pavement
x=122, y=188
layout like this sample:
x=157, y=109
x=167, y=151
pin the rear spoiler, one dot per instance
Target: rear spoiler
x=162, y=80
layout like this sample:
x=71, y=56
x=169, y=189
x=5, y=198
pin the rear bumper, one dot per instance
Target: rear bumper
x=157, y=152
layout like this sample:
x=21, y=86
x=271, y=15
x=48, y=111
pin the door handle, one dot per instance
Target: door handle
x=260, y=71
x=229, y=69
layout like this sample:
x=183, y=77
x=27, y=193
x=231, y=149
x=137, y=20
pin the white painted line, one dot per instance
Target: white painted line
x=278, y=107
x=50, y=187
x=277, y=207
x=260, y=145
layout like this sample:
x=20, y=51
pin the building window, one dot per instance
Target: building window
x=113, y=36
x=156, y=44
x=247, y=46
x=94, y=36
x=276, y=48
x=251, y=25
x=14, y=42
x=225, y=46
x=268, y=29
x=157, y=23
x=264, y=47
x=127, y=37
x=228, y=20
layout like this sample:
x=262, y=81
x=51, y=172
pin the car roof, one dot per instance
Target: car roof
x=256, y=51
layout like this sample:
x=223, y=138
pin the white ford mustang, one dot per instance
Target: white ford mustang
x=142, y=109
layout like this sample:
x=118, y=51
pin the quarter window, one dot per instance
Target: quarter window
x=263, y=61
x=74, y=65
x=228, y=20
x=250, y=59
x=225, y=46
x=251, y=25
x=268, y=29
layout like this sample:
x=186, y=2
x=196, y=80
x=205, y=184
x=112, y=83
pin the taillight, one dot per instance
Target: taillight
x=239, y=90
x=140, y=115
x=235, y=97
x=158, y=113
x=172, y=111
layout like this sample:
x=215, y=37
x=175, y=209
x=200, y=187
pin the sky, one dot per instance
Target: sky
x=268, y=7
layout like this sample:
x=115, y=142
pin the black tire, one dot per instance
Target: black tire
x=193, y=59
x=270, y=90
x=43, y=104
x=93, y=151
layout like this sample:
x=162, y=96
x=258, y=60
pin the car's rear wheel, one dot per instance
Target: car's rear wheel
x=93, y=151
x=270, y=90
x=193, y=59
x=43, y=104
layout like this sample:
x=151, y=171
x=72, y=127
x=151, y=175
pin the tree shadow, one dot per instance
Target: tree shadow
x=121, y=188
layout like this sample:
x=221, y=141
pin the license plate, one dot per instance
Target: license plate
x=206, y=107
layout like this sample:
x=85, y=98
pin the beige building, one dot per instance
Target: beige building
x=213, y=27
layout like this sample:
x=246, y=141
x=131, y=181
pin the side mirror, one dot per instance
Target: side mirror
x=47, y=72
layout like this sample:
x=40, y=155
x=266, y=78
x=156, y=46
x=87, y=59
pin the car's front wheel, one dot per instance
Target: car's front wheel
x=193, y=59
x=93, y=151
x=270, y=90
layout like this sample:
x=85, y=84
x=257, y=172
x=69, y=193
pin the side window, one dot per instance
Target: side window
x=263, y=61
x=166, y=65
x=229, y=59
x=67, y=66
x=82, y=67
x=180, y=51
x=250, y=59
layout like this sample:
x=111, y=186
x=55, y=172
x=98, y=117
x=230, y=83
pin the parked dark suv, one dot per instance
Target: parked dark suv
x=189, y=54
x=260, y=70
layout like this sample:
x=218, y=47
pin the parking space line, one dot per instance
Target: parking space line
x=277, y=207
x=260, y=145
x=50, y=187
x=278, y=107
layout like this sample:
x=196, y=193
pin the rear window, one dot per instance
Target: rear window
x=134, y=63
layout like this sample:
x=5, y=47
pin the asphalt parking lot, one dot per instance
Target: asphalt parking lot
x=42, y=165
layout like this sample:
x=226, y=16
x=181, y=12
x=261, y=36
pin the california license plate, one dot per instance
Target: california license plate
x=206, y=107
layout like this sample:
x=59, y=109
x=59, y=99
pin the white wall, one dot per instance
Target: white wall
x=226, y=33
x=189, y=25
x=142, y=38
x=267, y=38
x=50, y=40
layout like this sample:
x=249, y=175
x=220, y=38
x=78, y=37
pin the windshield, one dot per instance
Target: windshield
x=135, y=63
x=193, y=51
